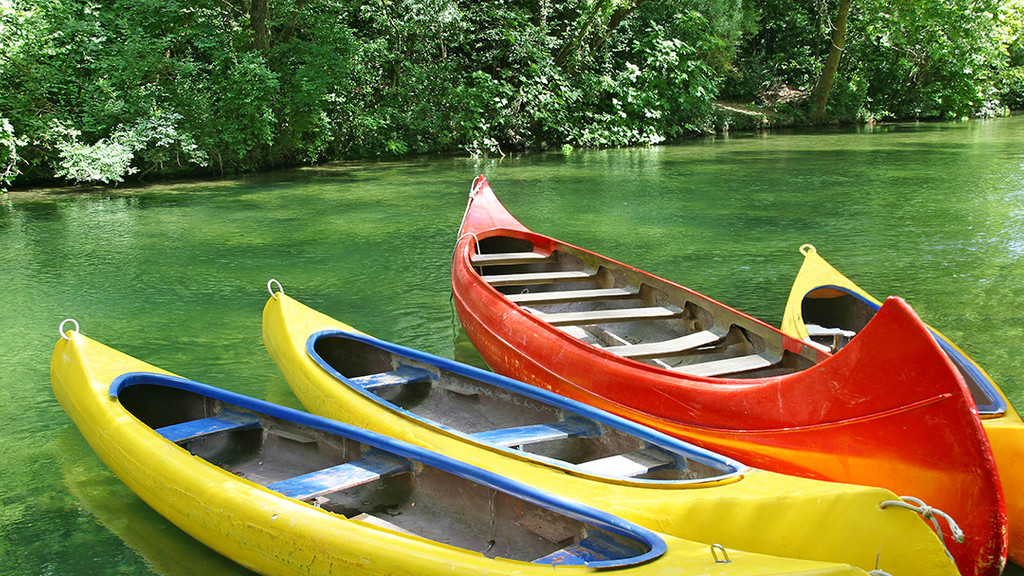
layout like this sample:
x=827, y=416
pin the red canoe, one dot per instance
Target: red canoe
x=888, y=410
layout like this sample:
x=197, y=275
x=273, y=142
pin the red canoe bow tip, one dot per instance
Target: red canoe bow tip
x=485, y=212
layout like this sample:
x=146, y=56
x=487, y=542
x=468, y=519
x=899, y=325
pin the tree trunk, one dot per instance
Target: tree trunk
x=259, y=11
x=819, y=95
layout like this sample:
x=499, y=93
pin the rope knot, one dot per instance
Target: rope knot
x=929, y=513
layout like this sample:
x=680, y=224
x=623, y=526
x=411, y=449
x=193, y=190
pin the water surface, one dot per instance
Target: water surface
x=176, y=275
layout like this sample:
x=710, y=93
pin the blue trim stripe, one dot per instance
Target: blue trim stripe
x=581, y=512
x=727, y=466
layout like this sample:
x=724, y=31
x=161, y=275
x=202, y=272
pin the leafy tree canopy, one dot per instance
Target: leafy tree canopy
x=102, y=90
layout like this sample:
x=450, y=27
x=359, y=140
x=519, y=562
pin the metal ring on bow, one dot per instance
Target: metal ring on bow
x=61, y=328
x=270, y=288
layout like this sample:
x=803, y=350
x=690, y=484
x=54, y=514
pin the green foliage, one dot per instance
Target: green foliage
x=903, y=59
x=104, y=161
x=1011, y=88
x=102, y=90
x=9, y=158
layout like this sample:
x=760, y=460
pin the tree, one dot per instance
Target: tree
x=821, y=90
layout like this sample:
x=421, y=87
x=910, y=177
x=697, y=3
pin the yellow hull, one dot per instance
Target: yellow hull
x=1005, y=431
x=759, y=511
x=275, y=535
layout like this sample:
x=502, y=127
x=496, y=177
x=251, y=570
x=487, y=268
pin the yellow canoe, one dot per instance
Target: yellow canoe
x=748, y=509
x=207, y=459
x=827, y=307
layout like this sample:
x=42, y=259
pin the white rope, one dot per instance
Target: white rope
x=471, y=235
x=270, y=288
x=478, y=183
x=929, y=513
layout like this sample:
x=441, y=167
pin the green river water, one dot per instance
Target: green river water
x=175, y=274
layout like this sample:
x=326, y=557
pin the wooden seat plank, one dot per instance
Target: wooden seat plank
x=726, y=366
x=596, y=546
x=565, y=296
x=665, y=347
x=507, y=258
x=399, y=376
x=609, y=315
x=625, y=465
x=534, y=433
x=342, y=476
x=536, y=277
x=195, y=429
x=821, y=331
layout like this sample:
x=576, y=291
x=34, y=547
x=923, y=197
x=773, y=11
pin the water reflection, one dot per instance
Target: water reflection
x=162, y=546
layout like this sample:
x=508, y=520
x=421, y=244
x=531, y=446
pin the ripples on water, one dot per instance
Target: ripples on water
x=175, y=274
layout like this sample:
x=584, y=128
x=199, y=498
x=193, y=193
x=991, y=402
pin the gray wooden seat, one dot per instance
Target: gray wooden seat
x=566, y=296
x=665, y=347
x=342, y=477
x=507, y=258
x=528, y=278
x=725, y=366
x=608, y=316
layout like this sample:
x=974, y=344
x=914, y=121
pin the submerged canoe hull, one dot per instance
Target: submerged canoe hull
x=866, y=416
x=759, y=511
x=820, y=281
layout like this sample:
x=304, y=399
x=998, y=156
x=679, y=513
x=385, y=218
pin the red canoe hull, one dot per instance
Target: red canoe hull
x=889, y=410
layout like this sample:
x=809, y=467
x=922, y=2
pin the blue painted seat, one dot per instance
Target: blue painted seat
x=195, y=429
x=597, y=546
x=401, y=375
x=343, y=476
x=571, y=427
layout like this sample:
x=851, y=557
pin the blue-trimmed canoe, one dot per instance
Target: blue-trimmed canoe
x=284, y=492
x=589, y=455
x=829, y=309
